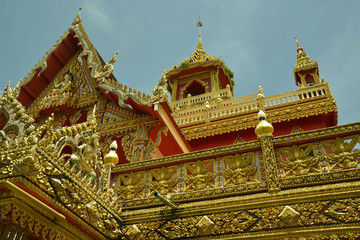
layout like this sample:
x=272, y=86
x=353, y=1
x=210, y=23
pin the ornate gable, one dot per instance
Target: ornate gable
x=72, y=78
x=71, y=88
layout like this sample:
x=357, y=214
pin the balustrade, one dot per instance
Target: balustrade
x=243, y=105
x=200, y=98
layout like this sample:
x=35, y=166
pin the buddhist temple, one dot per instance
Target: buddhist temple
x=83, y=156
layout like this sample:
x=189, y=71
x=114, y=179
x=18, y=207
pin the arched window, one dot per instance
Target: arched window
x=309, y=80
x=195, y=88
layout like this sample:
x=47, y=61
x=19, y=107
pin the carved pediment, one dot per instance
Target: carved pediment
x=71, y=88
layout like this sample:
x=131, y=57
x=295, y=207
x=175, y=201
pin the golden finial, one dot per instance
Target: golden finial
x=299, y=49
x=77, y=19
x=199, y=24
x=260, y=93
x=8, y=89
x=261, y=115
x=8, y=86
x=297, y=42
x=112, y=158
x=263, y=129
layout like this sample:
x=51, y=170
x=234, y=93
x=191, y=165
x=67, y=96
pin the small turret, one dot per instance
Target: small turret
x=306, y=70
x=199, y=74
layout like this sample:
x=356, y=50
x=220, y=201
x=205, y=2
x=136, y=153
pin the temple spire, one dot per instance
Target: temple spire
x=77, y=19
x=306, y=70
x=199, y=24
x=299, y=49
x=303, y=61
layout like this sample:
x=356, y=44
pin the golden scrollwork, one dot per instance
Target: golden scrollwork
x=272, y=178
x=138, y=146
x=309, y=214
x=196, y=226
x=347, y=210
x=145, y=230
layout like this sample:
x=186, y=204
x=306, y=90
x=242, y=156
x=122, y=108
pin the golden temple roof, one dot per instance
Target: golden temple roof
x=303, y=61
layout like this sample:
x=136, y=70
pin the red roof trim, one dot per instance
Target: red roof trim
x=55, y=62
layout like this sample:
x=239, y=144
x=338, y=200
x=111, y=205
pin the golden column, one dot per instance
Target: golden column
x=264, y=132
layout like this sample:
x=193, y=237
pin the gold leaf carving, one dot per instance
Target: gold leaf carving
x=164, y=180
x=239, y=169
x=199, y=177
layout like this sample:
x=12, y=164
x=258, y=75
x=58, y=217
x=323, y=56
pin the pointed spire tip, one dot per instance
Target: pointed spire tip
x=77, y=19
x=297, y=42
x=199, y=24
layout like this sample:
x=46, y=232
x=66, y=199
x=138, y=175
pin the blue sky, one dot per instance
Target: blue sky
x=254, y=38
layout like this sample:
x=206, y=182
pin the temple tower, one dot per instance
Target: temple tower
x=199, y=78
x=306, y=70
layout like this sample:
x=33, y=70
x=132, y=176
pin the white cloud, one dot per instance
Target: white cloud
x=98, y=13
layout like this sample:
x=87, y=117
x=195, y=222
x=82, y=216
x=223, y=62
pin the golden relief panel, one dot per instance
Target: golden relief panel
x=319, y=157
x=191, y=178
x=130, y=186
x=346, y=211
x=164, y=180
x=200, y=175
x=240, y=169
x=143, y=231
x=295, y=165
x=195, y=226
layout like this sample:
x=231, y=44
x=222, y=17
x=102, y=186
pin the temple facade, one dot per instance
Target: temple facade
x=83, y=156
